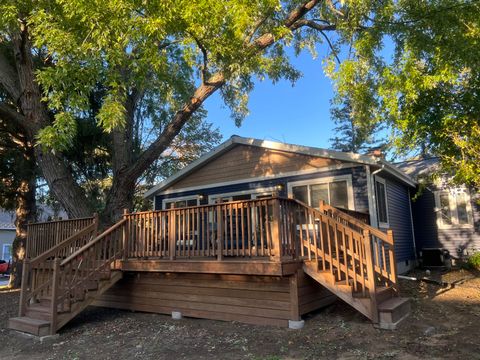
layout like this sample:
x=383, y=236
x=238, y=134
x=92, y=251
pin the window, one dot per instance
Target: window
x=180, y=202
x=453, y=208
x=7, y=252
x=336, y=191
x=382, y=203
x=259, y=193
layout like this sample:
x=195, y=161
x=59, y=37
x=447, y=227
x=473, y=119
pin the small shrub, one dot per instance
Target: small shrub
x=474, y=260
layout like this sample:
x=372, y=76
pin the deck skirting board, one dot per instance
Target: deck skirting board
x=252, y=299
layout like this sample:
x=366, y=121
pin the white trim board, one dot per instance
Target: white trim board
x=273, y=145
x=326, y=180
x=180, y=198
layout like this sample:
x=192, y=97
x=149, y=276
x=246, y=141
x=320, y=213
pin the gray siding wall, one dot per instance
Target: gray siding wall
x=428, y=235
x=400, y=220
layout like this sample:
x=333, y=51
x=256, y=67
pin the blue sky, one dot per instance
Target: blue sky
x=280, y=112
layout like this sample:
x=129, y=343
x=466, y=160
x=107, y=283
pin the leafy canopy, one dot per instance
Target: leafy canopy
x=428, y=89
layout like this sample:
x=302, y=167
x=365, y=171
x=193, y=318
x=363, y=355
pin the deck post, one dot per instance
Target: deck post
x=24, y=287
x=54, y=310
x=96, y=222
x=219, y=230
x=276, y=231
x=372, y=288
x=125, y=235
x=171, y=233
x=393, y=262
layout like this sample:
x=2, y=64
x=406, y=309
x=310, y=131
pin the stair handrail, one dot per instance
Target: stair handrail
x=93, y=242
x=378, y=246
x=347, y=217
x=30, y=288
x=65, y=243
x=73, y=274
x=41, y=236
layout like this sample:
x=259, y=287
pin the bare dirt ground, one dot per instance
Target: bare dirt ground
x=445, y=324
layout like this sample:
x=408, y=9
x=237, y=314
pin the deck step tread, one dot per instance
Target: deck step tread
x=391, y=304
x=30, y=321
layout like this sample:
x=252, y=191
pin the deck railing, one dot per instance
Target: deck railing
x=241, y=228
x=37, y=273
x=41, y=237
x=274, y=229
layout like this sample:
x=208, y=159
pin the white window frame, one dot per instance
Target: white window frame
x=384, y=182
x=325, y=180
x=181, y=198
x=253, y=192
x=3, y=252
x=453, y=209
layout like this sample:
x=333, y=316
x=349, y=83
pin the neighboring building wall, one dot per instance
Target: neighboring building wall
x=429, y=235
x=6, y=238
x=359, y=183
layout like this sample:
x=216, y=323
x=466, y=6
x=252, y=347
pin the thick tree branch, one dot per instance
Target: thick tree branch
x=9, y=113
x=313, y=25
x=215, y=82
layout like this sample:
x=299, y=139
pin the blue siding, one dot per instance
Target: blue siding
x=428, y=235
x=359, y=183
x=400, y=220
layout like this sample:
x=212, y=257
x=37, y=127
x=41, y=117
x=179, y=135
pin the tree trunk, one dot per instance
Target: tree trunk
x=53, y=167
x=25, y=212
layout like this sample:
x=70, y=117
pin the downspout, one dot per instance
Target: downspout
x=413, y=228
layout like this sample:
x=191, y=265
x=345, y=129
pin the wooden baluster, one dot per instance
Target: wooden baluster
x=125, y=234
x=345, y=253
x=53, y=309
x=337, y=251
x=24, y=287
x=276, y=231
x=352, y=255
x=329, y=241
x=219, y=231
x=367, y=241
x=393, y=263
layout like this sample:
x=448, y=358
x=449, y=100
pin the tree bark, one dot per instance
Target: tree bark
x=25, y=212
x=53, y=167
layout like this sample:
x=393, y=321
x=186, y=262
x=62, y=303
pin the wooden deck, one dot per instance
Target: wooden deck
x=227, y=261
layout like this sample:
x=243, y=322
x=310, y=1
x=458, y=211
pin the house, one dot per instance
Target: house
x=255, y=231
x=7, y=235
x=244, y=169
x=444, y=216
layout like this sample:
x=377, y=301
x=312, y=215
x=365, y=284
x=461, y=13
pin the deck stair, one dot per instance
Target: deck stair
x=60, y=283
x=354, y=261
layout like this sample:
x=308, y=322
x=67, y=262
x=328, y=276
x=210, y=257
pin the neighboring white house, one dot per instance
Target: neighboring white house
x=7, y=234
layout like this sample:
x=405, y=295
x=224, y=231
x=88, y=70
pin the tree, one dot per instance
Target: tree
x=428, y=89
x=17, y=188
x=165, y=57
x=352, y=134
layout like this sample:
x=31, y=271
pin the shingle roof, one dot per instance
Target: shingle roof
x=419, y=167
